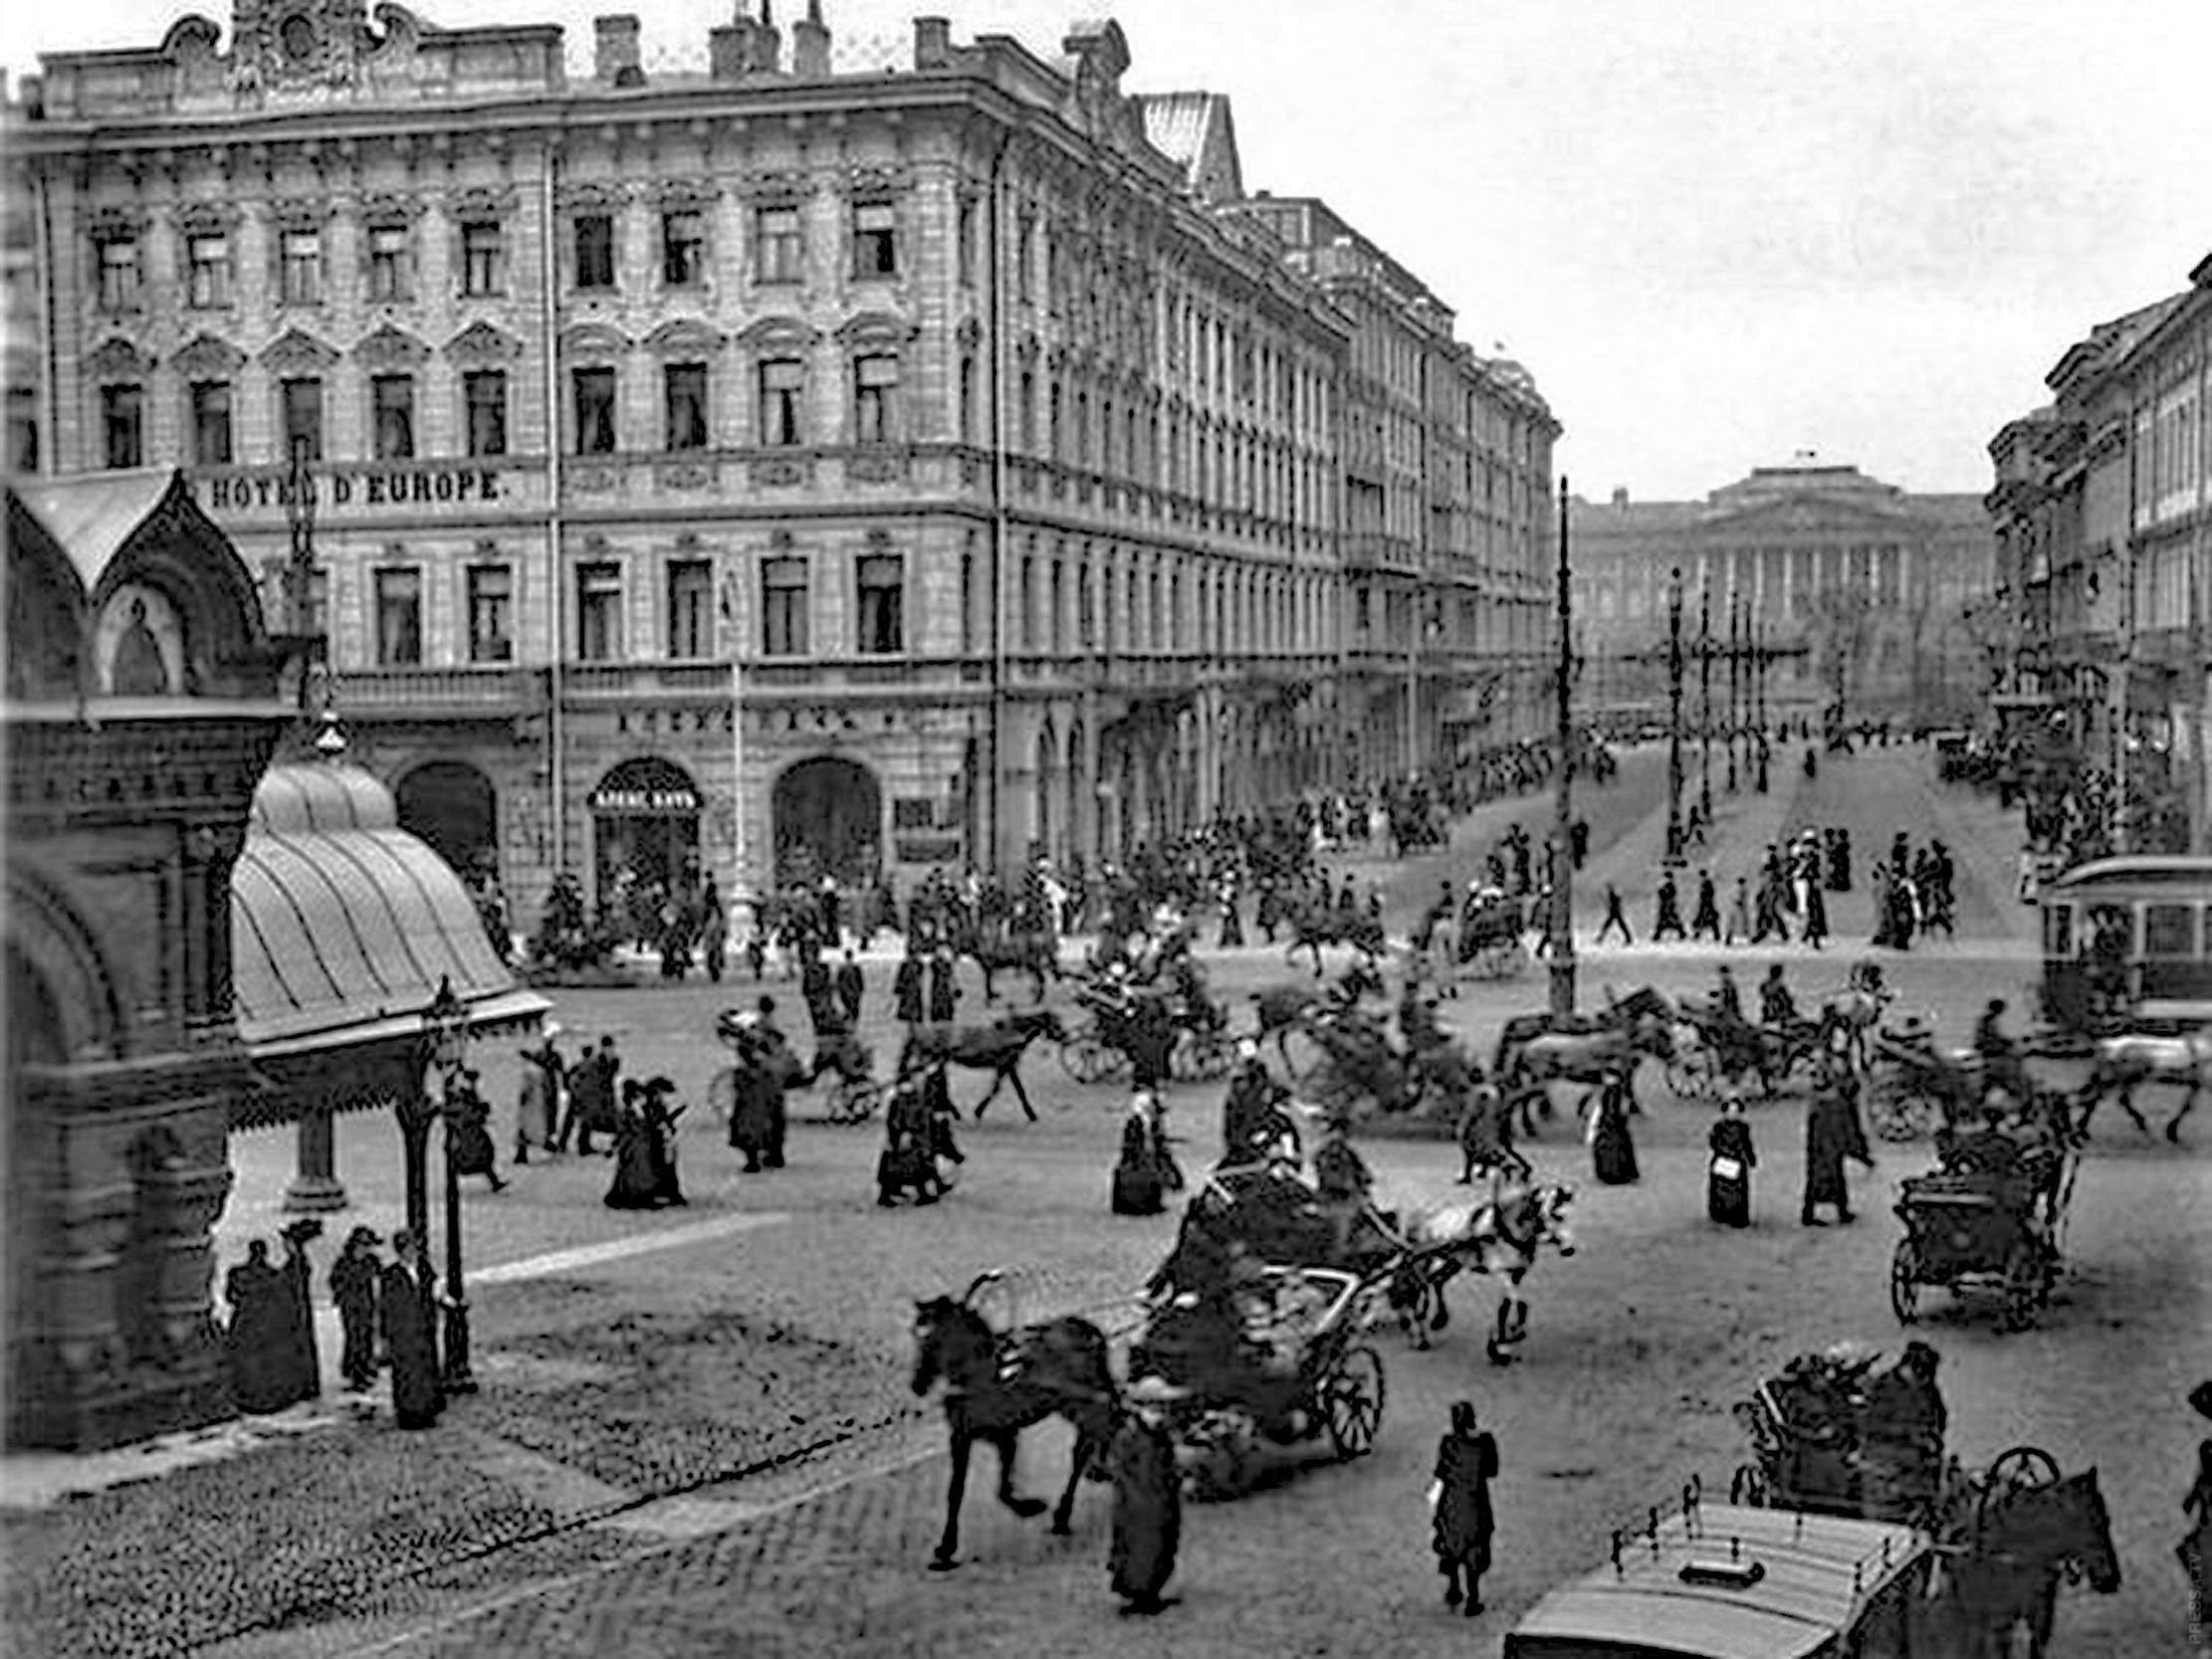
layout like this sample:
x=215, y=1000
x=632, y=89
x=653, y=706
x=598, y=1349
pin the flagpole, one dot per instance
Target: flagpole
x=741, y=907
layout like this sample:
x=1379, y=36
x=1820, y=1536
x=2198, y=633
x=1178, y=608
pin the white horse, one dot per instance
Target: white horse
x=2135, y=1056
x=1501, y=1238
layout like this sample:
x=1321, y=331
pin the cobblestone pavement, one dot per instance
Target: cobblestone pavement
x=1642, y=1343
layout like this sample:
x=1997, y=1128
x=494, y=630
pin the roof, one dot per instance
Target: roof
x=1818, y=1574
x=1195, y=131
x=2136, y=870
x=92, y=515
x=343, y=925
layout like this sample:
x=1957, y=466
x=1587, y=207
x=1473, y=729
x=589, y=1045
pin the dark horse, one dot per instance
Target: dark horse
x=1035, y=953
x=994, y=1388
x=1282, y=1009
x=2021, y=1544
x=995, y=1048
x=1319, y=925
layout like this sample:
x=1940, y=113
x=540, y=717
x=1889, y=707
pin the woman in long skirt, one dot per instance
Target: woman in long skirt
x=1148, y=1507
x=1462, y=1525
x=1728, y=1174
x=1611, y=1151
x=636, y=1183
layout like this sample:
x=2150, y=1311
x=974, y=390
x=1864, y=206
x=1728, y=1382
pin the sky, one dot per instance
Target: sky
x=1720, y=233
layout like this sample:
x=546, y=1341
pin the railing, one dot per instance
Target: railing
x=493, y=691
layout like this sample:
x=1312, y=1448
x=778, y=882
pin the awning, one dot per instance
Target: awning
x=343, y=925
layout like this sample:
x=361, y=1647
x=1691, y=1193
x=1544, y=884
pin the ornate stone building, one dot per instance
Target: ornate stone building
x=968, y=406
x=2103, y=514
x=1870, y=589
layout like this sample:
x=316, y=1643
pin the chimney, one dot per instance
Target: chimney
x=614, y=46
x=726, y=50
x=810, y=45
x=1620, y=499
x=767, y=42
x=933, y=43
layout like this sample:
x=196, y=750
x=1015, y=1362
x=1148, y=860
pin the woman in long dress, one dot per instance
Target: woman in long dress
x=408, y=1308
x=1148, y=1506
x=636, y=1185
x=660, y=1141
x=1147, y=1170
x=1728, y=1173
x=1461, y=1526
x=1611, y=1151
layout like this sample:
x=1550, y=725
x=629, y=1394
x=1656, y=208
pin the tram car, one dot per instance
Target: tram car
x=2128, y=942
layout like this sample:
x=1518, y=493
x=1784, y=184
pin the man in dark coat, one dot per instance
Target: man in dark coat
x=1900, y=1444
x=1666, y=916
x=592, y=1098
x=409, y=1297
x=1148, y=1504
x=353, y=1282
x=254, y=1341
x=1462, y=1525
x=851, y=988
x=944, y=987
x=1251, y=1115
x=906, y=992
x=1833, y=1133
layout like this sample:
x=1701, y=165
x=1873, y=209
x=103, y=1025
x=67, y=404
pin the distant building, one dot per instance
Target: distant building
x=1870, y=588
x=2103, y=514
x=968, y=401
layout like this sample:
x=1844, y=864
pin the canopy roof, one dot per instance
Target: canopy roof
x=343, y=925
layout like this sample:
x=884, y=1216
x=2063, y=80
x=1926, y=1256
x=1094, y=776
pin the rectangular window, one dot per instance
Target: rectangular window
x=398, y=617
x=782, y=385
x=783, y=607
x=118, y=273
x=691, y=609
x=599, y=612
x=683, y=248
x=593, y=397
x=875, y=240
x=123, y=425
x=490, y=613
x=875, y=396
x=967, y=243
x=595, y=250
x=299, y=406
x=1025, y=254
x=390, y=280
x=782, y=245
x=211, y=423
x=483, y=392
x=684, y=398
x=391, y=400
x=882, y=595
x=207, y=270
x=303, y=268
x=482, y=258
x=2169, y=931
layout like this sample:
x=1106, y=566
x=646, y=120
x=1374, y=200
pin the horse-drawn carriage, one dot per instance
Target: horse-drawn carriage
x=1718, y=1052
x=1493, y=937
x=1914, y=1088
x=1201, y=1049
x=1987, y=1221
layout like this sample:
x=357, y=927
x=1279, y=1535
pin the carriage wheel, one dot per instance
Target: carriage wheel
x=1904, y=1282
x=1087, y=1060
x=855, y=1102
x=1747, y=1488
x=1352, y=1401
x=1688, y=1079
x=2020, y=1469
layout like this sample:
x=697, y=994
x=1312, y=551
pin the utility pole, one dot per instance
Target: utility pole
x=1705, y=704
x=1675, y=717
x=1562, y=945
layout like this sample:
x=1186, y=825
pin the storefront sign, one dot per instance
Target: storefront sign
x=927, y=849
x=635, y=801
x=426, y=486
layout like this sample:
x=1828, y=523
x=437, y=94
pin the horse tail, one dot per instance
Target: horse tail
x=990, y=1276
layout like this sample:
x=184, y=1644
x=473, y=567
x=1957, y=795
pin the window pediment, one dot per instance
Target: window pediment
x=210, y=359
x=478, y=202
x=481, y=343
x=390, y=210
x=206, y=218
x=877, y=328
x=118, y=359
x=778, y=331
x=392, y=347
x=879, y=183
x=117, y=224
x=301, y=215
x=593, y=340
x=776, y=189
x=684, y=336
x=677, y=194
x=294, y=351
x=594, y=197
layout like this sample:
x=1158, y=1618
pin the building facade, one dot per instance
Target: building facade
x=2102, y=508
x=773, y=468
x=1867, y=595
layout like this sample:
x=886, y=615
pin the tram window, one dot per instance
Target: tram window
x=2058, y=931
x=2111, y=929
x=2170, y=930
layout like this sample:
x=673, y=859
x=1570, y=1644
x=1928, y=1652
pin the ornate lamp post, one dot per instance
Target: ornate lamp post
x=445, y=1025
x=1759, y=714
x=1562, y=943
x=1735, y=685
x=1705, y=704
x=1675, y=717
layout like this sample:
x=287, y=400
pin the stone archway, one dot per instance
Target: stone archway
x=646, y=826
x=454, y=807
x=828, y=813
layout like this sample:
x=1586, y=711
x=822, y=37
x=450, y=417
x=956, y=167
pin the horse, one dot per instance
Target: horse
x=1519, y=1029
x=2008, y=1575
x=1844, y=1018
x=1593, y=1058
x=1322, y=925
x=1282, y=1009
x=995, y=1048
x=2133, y=1057
x=994, y=1388
x=1036, y=953
x=1500, y=1238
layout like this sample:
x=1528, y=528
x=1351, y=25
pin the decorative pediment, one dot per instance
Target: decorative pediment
x=481, y=343
x=311, y=215
x=776, y=189
x=118, y=359
x=480, y=202
x=778, y=331
x=392, y=347
x=593, y=340
x=675, y=194
x=880, y=182
x=297, y=351
x=206, y=218
x=594, y=196
x=877, y=328
x=684, y=336
x=210, y=358
x=390, y=210
x=117, y=224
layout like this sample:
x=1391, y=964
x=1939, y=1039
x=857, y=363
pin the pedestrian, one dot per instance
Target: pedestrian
x=591, y=1096
x=1578, y=842
x=1815, y=915
x=634, y=1186
x=714, y=929
x=1611, y=1151
x=2195, y=1550
x=353, y=1282
x=469, y=1130
x=1461, y=1523
x=944, y=987
x=906, y=990
x=1705, y=917
x=408, y=1305
x=1728, y=1173
x=1666, y=915
x=537, y=1103
x=1739, y=914
x=1615, y=917
x=1146, y=1171
x=1833, y=1133
x=851, y=988
x=1148, y=1501
x=254, y=1341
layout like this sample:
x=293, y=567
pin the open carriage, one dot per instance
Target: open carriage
x=1980, y=1231
x=1726, y=1055
x=1099, y=1050
x=1915, y=1087
x=1493, y=942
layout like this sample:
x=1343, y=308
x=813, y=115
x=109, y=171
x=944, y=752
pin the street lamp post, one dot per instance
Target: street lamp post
x=1735, y=685
x=446, y=1027
x=1675, y=717
x=1759, y=715
x=1562, y=942
x=1706, y=705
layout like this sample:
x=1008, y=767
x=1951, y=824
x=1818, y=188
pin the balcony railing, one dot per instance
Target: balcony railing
x=490, y=691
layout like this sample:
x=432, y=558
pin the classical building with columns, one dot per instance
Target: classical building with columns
x=1862, y=589
x=783, y=462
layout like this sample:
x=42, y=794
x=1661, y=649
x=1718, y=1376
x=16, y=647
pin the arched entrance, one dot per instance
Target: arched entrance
x=828, y=821
x=646, y=826
x=453, y=806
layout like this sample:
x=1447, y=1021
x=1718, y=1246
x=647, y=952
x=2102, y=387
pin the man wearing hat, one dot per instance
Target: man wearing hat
x=538, y=1107
x=1148, y=1499
x=354, y=1288
x=1901, y=1446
